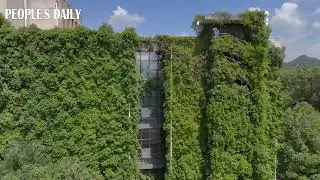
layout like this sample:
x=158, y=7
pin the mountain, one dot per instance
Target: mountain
x=303, y=60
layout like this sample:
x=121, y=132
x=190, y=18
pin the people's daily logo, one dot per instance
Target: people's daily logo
x=39, y=14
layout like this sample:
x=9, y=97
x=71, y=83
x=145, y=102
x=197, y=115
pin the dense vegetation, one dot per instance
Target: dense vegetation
x=299, y=157
x=30, y=161
x=183, y=92
x=302, y=85
x=71, y=91
x=240, y=114
x=223, y=103
x=65, y=97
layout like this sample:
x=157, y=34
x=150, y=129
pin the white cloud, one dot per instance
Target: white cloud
x=121, y=19
x=287, y=14
x=316, y=24
x=317, y=11
x=184, y=34
x=254, y=9
x=297, y=28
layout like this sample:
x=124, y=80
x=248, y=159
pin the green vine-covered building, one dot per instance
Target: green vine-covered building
x=220, y=117
x=204, y=107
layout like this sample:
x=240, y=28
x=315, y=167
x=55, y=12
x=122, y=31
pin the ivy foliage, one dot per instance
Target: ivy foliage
x=228, y=111
x=71, y=90
x=29, y=161
x=4, y=23
x=239, y=87
x=223, y=101
x=183, y=94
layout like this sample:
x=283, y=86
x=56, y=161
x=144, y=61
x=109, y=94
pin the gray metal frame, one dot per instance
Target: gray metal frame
x=151, y=154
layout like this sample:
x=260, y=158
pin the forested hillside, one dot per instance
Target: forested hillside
x=299, y=157
x=303, y=60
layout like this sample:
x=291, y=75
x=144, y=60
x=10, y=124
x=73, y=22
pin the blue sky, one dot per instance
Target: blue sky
x=295, y=22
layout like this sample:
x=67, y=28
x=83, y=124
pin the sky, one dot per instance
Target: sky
x=296, y=23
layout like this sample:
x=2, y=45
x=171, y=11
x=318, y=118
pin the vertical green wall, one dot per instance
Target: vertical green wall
x=223, y=100
x=71, y=90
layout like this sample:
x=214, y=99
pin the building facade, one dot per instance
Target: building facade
x=39, y=4
x=151, y=138
x=276, y=42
